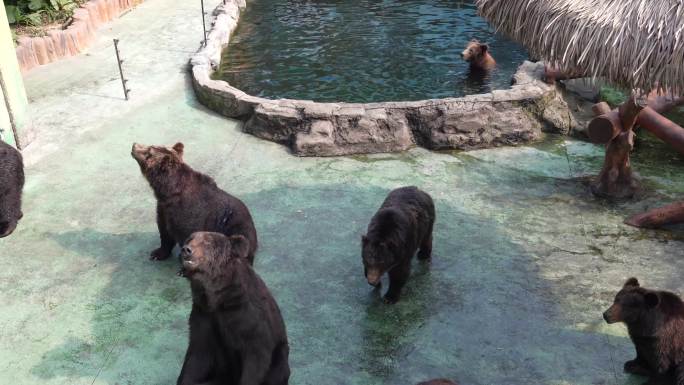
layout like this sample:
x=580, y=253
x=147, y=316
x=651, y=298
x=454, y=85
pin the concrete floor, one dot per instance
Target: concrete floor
x=525, y=259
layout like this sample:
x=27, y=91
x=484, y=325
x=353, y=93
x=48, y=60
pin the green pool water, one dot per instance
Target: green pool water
x=363, y=51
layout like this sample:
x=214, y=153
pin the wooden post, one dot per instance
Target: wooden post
x=616, y=179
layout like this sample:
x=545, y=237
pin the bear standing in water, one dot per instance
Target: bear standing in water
x=11, y=184
x=237, y=334
x=188, y=201
x=401, y=226
x=655, y=321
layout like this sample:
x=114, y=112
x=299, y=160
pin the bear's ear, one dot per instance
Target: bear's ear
x=484, y=47
x=178, y=147
x=239, y=246
x=651, y=299
x=632, y=282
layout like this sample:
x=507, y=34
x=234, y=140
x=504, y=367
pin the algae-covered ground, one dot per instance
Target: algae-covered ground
x=525, y=259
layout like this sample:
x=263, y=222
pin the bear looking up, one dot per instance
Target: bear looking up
x=11, y=184
x=655, y=322
x=237, y=334
x=477, y=54
x=188, y=201
x=401, y=226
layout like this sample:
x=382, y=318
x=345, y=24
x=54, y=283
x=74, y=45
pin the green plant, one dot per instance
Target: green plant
x=39, y=12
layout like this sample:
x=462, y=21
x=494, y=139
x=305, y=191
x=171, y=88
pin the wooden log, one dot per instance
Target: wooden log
x=604, y=127
x=662, y=127
x=661, y=216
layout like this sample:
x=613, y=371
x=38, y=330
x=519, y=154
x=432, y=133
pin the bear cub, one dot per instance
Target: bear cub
x=189, y=201
x=655, y=322
x=237, y=334
x=477, y=54
x=402, y=225
x=11, y=185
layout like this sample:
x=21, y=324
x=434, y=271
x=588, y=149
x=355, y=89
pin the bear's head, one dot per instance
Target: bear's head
x=475, y=51
x=632, y=304
x=158, y=162
x=11, y=185
x=380, y=248
x=206, y=255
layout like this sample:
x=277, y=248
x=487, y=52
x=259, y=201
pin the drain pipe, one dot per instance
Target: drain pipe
x=5, y=97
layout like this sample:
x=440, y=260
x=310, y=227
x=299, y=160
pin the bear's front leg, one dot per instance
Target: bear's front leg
x=425, y=253
x=167, y=241
x=679, y=374
x=638, y=367
x=397, y=279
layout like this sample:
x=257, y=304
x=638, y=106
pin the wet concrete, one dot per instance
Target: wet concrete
x=525, y=259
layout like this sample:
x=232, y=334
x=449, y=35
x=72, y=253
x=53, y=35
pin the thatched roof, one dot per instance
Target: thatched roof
x=633, y=43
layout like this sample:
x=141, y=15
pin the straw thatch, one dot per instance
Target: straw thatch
x=633, y=43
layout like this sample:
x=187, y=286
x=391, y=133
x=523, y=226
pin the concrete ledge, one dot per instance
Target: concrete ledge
x=502, y=117
x=35, y=51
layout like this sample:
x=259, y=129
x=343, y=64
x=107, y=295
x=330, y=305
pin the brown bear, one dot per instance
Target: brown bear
x=11, y=185
x=402, y=225
x=237, y=334
x=477, y=54
x=189, y=201
x=655, y=322
x=440, y=381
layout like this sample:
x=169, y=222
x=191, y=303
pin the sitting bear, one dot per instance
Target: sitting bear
x=11, y=184
x=188, y=201
x=477, y=54
x=401, y=226
x=237, y=335
x=655, y=322
x=440, y=381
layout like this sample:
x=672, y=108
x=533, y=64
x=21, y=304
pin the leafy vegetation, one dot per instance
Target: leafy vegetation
x=39, y=12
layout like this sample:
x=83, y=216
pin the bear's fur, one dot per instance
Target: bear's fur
x=11, y=185
x=189, y=201
x=237, y=334
x=655, y=322
x=402, y=225
x=477, y=54
x=440, y=381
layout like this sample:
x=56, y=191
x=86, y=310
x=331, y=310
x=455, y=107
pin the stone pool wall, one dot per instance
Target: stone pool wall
x=503, y=117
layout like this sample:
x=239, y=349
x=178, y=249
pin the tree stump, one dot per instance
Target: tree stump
x=616, y=179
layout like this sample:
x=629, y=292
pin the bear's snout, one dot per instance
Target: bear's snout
x=186, y=253
x=373, y=276
x=612, y=315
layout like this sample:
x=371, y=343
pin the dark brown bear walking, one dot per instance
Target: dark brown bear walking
x=237, y=335
x=655, y=321
x=11, y=184
x=401, y=226
x=189, y=201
